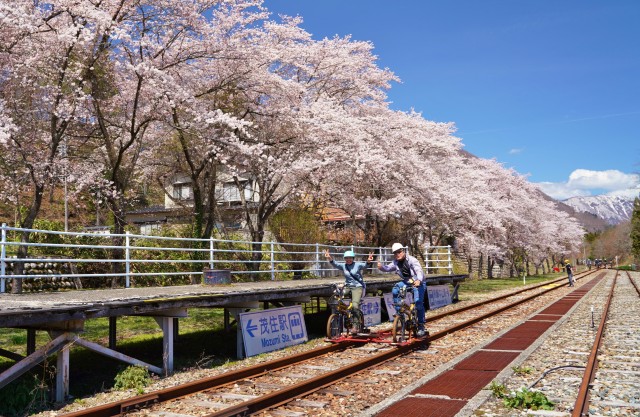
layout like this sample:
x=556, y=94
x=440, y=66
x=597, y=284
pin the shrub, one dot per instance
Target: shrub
x=526, y=399
x=522, y=398
x=23, y=396
x=522, y=370
x=133, y=377
x=498, y=390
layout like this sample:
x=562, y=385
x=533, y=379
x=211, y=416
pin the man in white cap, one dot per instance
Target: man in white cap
x=409, y=269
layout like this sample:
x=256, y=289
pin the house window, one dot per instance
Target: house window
x=182, y=191
x=150, y=229
x=230, y=191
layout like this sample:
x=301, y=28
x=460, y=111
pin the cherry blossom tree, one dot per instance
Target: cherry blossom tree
x=109, y=94
x=43, y=57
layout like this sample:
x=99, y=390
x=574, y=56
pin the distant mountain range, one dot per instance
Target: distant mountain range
x=613, y=210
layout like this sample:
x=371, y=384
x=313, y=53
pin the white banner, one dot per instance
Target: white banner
x=273, y=329
x=371, y=308
x=388, y=301
x=438, y=295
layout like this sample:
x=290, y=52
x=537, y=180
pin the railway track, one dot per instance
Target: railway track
x=252, y=390
x=611, y=381
x=591, y=365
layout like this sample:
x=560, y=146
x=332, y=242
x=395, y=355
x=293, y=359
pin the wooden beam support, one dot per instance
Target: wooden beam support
x=113, y=326
x=34, y=359
x=116, y=355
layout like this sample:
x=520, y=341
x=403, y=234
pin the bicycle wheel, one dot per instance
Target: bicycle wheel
x=334, y=326
x=398, y=329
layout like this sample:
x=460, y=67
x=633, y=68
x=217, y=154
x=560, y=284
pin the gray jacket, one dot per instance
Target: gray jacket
x=414, y=267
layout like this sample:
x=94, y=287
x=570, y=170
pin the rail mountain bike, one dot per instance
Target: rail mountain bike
x=343, y=316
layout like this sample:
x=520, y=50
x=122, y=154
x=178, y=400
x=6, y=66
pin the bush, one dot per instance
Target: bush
x=133, y=377
x=522, y=370
x=24, y=396
x=526, y=399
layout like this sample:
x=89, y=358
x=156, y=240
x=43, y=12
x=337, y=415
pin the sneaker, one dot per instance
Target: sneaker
x=421, y=333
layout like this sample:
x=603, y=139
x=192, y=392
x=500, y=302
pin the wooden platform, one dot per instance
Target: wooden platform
x=41, y=309
x=63, y=314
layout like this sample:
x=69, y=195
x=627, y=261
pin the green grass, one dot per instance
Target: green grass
x=498, y=284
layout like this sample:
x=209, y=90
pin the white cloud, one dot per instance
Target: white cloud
x=561, y=191
x=611, y=179
x=584, y=182
x=515, y=151
x=629, y=193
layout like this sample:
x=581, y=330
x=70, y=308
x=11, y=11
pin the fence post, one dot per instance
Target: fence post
x=273, y=266
x=449, y=259
x=318, y=259
x=126, y=257
x=3, y=255
x=210, y=252
x=426, y=258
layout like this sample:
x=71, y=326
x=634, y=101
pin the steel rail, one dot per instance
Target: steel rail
x=285, y=395
x=314, y=384
x=118, y=407
x=581, y=406
x=304, y=388
x=633, y=283
x=502, y=297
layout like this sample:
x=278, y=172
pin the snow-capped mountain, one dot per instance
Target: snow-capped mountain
x=611, y=209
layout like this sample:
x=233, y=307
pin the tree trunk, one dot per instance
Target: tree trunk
x=490, y=263
x=16, y=283
x=118, y=252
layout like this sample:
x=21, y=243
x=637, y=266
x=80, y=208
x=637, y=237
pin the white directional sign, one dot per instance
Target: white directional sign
x=388, y=301
x=273, y=329
x=371, y=308
x=439, y=296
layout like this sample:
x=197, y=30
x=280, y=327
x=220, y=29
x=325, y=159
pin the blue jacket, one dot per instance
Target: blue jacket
x=414, y=267
x=356, y=269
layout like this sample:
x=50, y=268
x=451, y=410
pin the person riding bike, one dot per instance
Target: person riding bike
x=354, y=282
x=409, y=269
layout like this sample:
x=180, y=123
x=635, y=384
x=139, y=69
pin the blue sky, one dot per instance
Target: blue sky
x=550, y=88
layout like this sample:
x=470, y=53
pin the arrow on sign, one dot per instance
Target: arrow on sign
x=250, y=328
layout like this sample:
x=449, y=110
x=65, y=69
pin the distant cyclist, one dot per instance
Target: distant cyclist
x=354, y=282
x=409, y=269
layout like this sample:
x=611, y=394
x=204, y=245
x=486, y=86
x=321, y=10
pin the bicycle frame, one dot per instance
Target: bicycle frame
x=405, y=323
x=342, y=315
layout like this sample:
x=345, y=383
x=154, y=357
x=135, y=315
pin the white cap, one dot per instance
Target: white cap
x=397, y=246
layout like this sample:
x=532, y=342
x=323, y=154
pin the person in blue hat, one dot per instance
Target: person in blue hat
x=353, y=280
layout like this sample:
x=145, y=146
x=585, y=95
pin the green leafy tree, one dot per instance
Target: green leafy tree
x=296, y=224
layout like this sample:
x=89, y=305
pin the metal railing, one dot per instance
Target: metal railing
x=69, y=255
x=438, y=258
